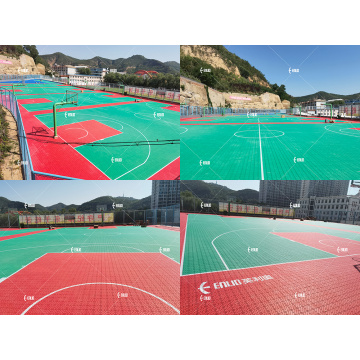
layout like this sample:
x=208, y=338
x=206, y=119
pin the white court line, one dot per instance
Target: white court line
x=261, y=159
x=169, y=258
x=87, y=133
x=183, y=253
x=217, y=249
x=145, y=159
x=23, y=267
x=163, y=167
x=100, y=283
x=82, y=244
x=340, y=132
x=294, y=241
x=260, y=266
x=130, y=247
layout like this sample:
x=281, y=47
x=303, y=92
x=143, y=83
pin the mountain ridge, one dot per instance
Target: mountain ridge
x=131, y=64
x=129, y=203
x=326, y=96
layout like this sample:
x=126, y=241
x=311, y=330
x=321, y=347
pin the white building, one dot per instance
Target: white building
x=317, y=107
x=99, y=72
x=78, y=79
x=64, y=70
x=345, y=209
x=113, y=70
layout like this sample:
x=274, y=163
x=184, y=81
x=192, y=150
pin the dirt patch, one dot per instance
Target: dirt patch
x=10, y=167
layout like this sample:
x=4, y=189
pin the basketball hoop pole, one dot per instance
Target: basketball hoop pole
x=54, y=114
x=331, y=112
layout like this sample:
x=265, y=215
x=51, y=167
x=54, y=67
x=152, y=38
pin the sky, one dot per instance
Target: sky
x=158, y=52
x=238, y=184
x=49, y=192
x=331, y=68
x=255, y=184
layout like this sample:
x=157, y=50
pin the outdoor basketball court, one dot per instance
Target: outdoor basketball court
x=260, y=266
x=110, y=271
x=268, y=147
x=103, y=136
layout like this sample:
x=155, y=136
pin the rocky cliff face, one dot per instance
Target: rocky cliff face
x=24, y=65
x=212, y=57
x=194, y=93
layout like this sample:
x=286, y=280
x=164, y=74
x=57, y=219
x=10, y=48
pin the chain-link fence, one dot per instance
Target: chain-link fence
x=169, y=216
x=8, y=100
x=11, y=220
x=4, y=78
x=194, y=111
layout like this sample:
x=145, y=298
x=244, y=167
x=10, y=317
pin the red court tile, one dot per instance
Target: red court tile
x=183, y=222
x=326, y=286
x=93, y=284
x=332, y=244
x=51, y=156
x=33, y=101
x=86, y=132
x=173, y=108
x=7, y=237
x=169, y=172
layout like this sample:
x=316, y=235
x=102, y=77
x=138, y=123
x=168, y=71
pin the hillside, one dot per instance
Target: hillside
x=5, y=204
x=129, y=203
x=228, y=69
x=225, y=73
x=173, y=64
x=214, y=192
x=130, y=65
x=326, y=96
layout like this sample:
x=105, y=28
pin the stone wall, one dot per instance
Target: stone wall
x=24, y=65
x=194, y=93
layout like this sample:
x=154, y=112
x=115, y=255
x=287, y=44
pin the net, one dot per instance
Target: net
x=72, y=97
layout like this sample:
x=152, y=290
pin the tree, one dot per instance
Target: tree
x=84, y=71
x=72, y=210
x=31, y=49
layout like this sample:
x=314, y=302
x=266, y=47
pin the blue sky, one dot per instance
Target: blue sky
x=158, y=52
x=255, y=184
x=329, y=68
x=48, y=192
